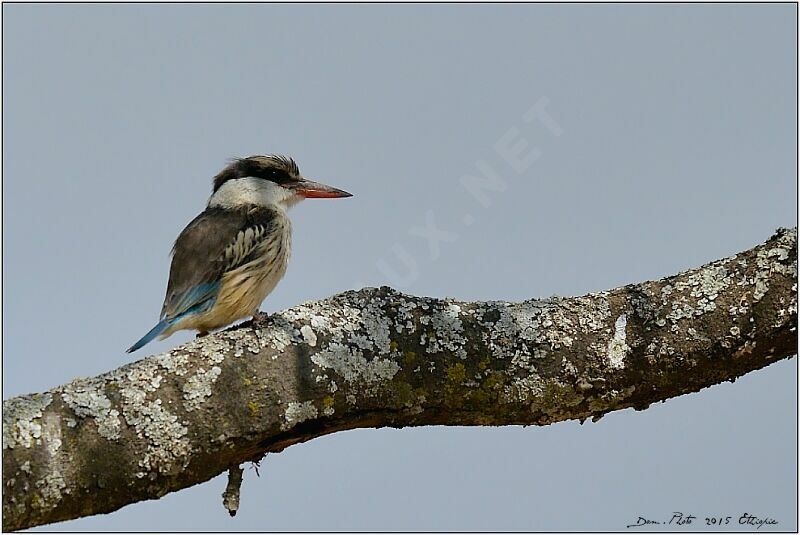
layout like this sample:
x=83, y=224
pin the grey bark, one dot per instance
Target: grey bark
x=376, y=358
x=230, y=498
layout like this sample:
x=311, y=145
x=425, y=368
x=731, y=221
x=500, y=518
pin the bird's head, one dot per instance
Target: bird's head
x=268, y=181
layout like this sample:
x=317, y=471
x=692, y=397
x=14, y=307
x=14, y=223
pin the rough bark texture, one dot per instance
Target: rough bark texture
x=375, y=358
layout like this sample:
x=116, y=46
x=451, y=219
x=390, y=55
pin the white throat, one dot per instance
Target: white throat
x=250, y=190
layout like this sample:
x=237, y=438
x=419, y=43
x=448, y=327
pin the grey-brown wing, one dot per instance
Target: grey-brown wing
x=215, y=242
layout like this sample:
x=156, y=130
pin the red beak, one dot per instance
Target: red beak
x=314, y=190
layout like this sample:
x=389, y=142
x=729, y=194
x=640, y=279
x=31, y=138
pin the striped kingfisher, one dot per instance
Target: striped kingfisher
x=231, y=256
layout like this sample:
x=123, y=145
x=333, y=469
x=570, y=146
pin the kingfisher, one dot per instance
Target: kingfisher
x=232, y=255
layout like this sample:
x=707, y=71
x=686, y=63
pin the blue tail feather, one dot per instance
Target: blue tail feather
x=201, y=291
x=155, y=331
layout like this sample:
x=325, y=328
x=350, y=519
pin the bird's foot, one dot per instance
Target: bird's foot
x=260, y=318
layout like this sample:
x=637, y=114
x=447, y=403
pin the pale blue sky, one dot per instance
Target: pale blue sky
x=678, y=147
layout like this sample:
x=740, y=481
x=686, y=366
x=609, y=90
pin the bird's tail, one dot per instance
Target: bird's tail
x=155, y=331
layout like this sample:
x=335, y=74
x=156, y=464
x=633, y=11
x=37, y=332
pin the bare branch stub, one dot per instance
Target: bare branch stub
x=230, y=498
x=377, y=357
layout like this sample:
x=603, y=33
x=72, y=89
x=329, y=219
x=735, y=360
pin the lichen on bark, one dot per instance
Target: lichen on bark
x=377, y=357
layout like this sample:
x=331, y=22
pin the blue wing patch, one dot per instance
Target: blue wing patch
x=196, y=301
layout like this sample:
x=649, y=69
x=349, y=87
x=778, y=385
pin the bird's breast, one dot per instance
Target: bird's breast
x=243, y=289
x=248, y=285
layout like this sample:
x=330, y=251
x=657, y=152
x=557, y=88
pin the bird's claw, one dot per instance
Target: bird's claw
x=260, y=317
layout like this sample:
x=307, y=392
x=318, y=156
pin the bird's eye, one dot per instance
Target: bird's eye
x=277, y=175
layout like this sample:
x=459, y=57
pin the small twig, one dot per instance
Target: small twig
x=255, y=465
x=230, y=498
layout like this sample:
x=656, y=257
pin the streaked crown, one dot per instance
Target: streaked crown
x=274, y=167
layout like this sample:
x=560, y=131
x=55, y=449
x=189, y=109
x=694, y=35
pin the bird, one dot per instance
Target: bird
x=233, y=254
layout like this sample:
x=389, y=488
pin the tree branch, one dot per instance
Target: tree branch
x=376, y=358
